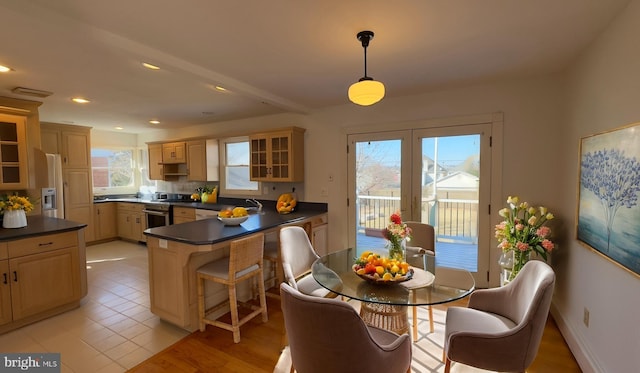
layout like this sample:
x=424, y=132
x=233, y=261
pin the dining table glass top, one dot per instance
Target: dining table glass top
x=334, y=272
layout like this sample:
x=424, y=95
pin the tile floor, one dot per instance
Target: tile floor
x=113, y=330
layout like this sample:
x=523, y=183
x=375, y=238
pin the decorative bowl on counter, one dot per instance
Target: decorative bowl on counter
x=233, y=221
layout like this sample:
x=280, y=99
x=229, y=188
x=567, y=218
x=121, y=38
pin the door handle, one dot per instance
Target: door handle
x=5, y=278
x=15, y=276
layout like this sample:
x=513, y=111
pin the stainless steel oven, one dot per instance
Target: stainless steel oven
x=157, y=214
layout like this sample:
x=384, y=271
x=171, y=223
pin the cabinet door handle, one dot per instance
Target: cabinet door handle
x=45, y=244
x=5, y=278
x=15, y=276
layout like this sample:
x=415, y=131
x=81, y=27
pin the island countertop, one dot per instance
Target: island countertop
x=211, y=231
x=39, y=225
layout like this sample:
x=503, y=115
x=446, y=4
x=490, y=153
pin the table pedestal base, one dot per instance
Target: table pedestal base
x=385, y=316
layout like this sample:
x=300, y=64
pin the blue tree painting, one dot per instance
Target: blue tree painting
x=609, y=216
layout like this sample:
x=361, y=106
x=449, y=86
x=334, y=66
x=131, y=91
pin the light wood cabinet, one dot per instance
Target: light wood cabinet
x=319, y=238
x=277, y=155
x=73, y=143
x=183, y=214
x=174, y=152
x=155, y=162
x=104, y=219
x=13, y=152
x=197, y=160
x=131, y=221
x=40, y=276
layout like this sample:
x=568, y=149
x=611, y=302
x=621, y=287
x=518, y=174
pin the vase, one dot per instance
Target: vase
x=14, y=219
x=520, y=258
x=506, y=265
x=397, y=249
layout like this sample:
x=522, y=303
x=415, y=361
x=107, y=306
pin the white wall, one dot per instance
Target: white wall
x=604, y=93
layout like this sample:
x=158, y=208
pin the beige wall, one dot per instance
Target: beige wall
x=604, y=91
x=544, y=118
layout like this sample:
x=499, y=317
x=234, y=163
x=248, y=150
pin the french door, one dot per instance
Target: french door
x=439, y=176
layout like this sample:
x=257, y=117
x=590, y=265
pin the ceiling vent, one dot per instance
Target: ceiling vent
x=31, y=92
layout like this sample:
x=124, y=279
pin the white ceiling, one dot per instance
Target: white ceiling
x=273, y=56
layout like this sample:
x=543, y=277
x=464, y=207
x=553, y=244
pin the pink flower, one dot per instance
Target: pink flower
x=522, y=246
x=519, y=227
x=548, y=245
x=543, y=231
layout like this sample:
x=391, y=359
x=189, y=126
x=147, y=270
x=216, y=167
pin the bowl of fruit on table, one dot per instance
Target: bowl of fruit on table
x=235, y=216
x=381, y=270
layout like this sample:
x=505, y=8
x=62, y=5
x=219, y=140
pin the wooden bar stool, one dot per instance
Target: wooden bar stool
x=271, y=256
x=245, y=262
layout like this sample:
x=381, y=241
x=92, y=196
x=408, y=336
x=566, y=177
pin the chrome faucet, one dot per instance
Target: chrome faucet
x=255, y=202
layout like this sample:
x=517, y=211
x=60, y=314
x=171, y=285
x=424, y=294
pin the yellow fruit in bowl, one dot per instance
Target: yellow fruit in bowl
x=239, y=212
x=225, y=214
x=195, y=197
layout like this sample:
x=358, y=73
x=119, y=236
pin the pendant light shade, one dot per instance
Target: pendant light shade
x=366, y=91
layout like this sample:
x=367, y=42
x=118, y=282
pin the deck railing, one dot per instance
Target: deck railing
x=454, y=218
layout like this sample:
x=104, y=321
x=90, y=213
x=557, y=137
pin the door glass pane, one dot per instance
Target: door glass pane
x=377, y=183
x=450, y=181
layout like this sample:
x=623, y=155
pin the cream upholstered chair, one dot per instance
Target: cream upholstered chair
x=328, y=335
x=421, y=251
x=502, y=327
x=298, y=256
x=245, y=261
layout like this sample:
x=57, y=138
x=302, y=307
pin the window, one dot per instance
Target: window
x=235, y=162
x=113, y=170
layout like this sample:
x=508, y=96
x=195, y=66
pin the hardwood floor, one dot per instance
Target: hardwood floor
x=261, y=344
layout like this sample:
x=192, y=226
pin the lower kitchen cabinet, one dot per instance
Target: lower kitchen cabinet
x=131, y=221
x=40, y=277
x=104, y=219
x=183, y=214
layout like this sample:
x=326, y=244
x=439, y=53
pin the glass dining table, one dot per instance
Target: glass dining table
x=386, y=305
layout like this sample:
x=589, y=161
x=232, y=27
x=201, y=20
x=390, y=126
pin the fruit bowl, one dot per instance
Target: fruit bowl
x=233, y=221
x=377, y=279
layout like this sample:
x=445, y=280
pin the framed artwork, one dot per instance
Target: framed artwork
x=608, y=192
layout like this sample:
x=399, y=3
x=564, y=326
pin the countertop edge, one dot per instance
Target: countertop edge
x=38, y=225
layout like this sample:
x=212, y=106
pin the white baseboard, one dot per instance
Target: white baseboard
x=576, y=344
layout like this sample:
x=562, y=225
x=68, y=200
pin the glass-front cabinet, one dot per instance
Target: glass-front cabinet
x=13, y=152
x=278, y=155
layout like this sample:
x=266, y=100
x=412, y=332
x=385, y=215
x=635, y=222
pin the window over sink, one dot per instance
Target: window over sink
x=234, y=159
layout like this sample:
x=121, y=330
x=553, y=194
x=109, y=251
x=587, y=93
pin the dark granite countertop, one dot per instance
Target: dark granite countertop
x=38, y=225
x=209, y=231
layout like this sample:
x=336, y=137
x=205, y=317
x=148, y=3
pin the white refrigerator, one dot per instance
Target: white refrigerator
x=52, y=192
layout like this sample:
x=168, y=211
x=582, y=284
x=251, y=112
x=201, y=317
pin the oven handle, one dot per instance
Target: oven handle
x=156, y=213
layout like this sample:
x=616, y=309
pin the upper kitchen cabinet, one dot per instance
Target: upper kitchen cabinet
x=197, y=159
x=155, y=162
x=13, y=152
x=73, y=143
x=278, y=155
x=202, y=160
x=174, y=152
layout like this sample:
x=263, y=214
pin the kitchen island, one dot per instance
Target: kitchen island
x=44, y=272
x=176, y=251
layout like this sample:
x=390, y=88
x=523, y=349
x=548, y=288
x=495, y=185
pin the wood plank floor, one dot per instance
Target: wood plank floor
x=261, y=344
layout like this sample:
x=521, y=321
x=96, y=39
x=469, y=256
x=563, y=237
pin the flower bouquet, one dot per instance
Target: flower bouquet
x=523, y=232
x=396, y=234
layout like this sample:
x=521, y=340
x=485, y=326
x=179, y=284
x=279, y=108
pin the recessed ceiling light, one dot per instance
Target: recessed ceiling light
x=118, y=128
x=154, y=121
x=150, y=66
x=80, y=100
x=221, y=89
x=4, y=69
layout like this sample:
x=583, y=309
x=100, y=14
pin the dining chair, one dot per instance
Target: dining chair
x=328, y=335
x=421, y=253
x=298, y=256
x=501, y=328
x=245, y=262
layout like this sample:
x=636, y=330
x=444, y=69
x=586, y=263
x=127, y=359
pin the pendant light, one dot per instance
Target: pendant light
x=366, y=91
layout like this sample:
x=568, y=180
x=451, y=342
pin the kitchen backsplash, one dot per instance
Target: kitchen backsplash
x=273, y=189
